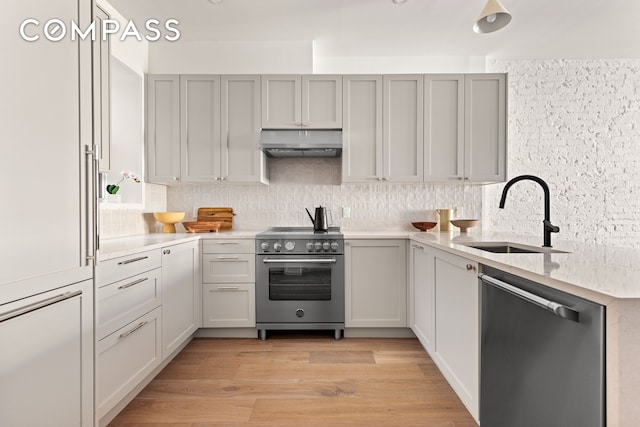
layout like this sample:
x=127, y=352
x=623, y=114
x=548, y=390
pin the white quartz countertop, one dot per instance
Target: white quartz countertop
x=598, y=273
x=122, y=246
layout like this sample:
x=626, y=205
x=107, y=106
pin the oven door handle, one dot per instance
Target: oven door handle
x=299, y=260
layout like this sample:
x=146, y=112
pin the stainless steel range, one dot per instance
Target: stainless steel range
x=299, y=280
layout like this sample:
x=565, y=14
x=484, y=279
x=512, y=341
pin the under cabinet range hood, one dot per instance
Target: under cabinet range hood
x=301, y=143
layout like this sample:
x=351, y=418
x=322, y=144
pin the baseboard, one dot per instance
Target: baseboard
x=378, y=333
x=227, y=333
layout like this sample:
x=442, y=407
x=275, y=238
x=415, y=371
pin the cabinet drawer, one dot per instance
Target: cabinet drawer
x=228, y=268
x=229, y=306
x=125, y=358
x=124, y=301
x=126, y=266
x=228, y=246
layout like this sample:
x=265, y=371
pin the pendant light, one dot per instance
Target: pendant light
x=493, y=17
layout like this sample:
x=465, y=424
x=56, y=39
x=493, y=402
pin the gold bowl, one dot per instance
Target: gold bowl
x=465, y=224
x=424, y=226
x=168, y=219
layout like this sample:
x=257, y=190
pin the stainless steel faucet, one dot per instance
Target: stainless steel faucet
x=547, y=226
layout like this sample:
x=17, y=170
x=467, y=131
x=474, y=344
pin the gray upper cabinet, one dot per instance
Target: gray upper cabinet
x=465, y=127
x=163, y=128
x=485, y=117
x=241, y=160
x=443, y=127
x=200, y=128
x=298, y=102
x=383, y=128
x=204, y=128
x=362, y=129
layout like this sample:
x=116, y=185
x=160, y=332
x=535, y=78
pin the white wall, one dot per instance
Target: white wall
x=575, y=124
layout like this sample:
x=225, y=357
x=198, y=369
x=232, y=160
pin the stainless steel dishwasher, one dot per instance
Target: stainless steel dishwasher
x=542, y=360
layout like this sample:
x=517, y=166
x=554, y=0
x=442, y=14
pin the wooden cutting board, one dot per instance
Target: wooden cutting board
x=225, y=215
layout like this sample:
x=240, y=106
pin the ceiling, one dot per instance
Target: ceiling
x=348, y=28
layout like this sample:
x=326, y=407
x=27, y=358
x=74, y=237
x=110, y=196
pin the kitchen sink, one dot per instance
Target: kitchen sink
x=511, y=248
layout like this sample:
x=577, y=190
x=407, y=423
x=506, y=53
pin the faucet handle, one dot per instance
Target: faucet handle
x=548, y=226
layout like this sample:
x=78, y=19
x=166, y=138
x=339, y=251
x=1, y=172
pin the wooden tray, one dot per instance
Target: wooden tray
x=202, y=226
x=223, y=215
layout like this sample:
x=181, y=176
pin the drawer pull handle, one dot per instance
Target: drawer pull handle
x=138, y=326
x=228, y=288
x=227, y=243
x=228, y=257
x=37, y=305
x=129, y=261
x=135, y=282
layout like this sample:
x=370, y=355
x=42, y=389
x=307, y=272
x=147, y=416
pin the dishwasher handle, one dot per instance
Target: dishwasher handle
x=554, y=307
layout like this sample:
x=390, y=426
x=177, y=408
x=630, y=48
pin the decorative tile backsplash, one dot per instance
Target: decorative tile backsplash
x=297, y=184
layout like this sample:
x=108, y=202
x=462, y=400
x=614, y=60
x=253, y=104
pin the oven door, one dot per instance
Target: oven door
x=300, y=289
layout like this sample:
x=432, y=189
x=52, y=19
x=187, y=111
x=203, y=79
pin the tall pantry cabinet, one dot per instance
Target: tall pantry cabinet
x=46, y=166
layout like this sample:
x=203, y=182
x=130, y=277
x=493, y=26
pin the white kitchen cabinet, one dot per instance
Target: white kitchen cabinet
x=125, y=358
x=308, y=101
x=101, y=92
x=383, y=128
x=181, y=295
x=240, y=158
x=422, y=295
x=163, y=128
x=228, y=276
x=128, y=325
x=199, y=128
x=465, y=127
x=376, y=283
x=457, y=326
x=46, y=362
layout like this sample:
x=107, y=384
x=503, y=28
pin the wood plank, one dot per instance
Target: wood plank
x=298, y=380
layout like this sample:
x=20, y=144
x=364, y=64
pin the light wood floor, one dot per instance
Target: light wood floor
x=298, y=380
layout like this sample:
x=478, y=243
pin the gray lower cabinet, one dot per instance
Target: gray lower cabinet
x=375, y=283
x=180, y=295
x=228, y=288
x=445, y=317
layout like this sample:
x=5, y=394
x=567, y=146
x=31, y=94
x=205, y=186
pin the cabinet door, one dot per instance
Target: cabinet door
x=362, y=129
x=228, y=268
x=402, y=128
x=101, y=92
x=485, y=127
x=458, y=326
x=422, y=296
x=163, y=128
x=229, y=305
x=444, y=127
x=281, y=102
x=46, y=362
x=376, y=283
x=200, y=128
x=240, y=158
x=322, y=101
x=46, y=110
x=180, y=295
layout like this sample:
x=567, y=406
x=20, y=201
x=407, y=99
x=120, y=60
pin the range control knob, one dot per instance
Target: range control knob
x=317, y=245
x=310, y=246
x=264, y=246
x=289, y=245
x=277, y=246
x=325, y=246
x=335, y=246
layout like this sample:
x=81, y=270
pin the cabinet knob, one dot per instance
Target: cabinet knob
x=166, y=251
x=470, y=267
